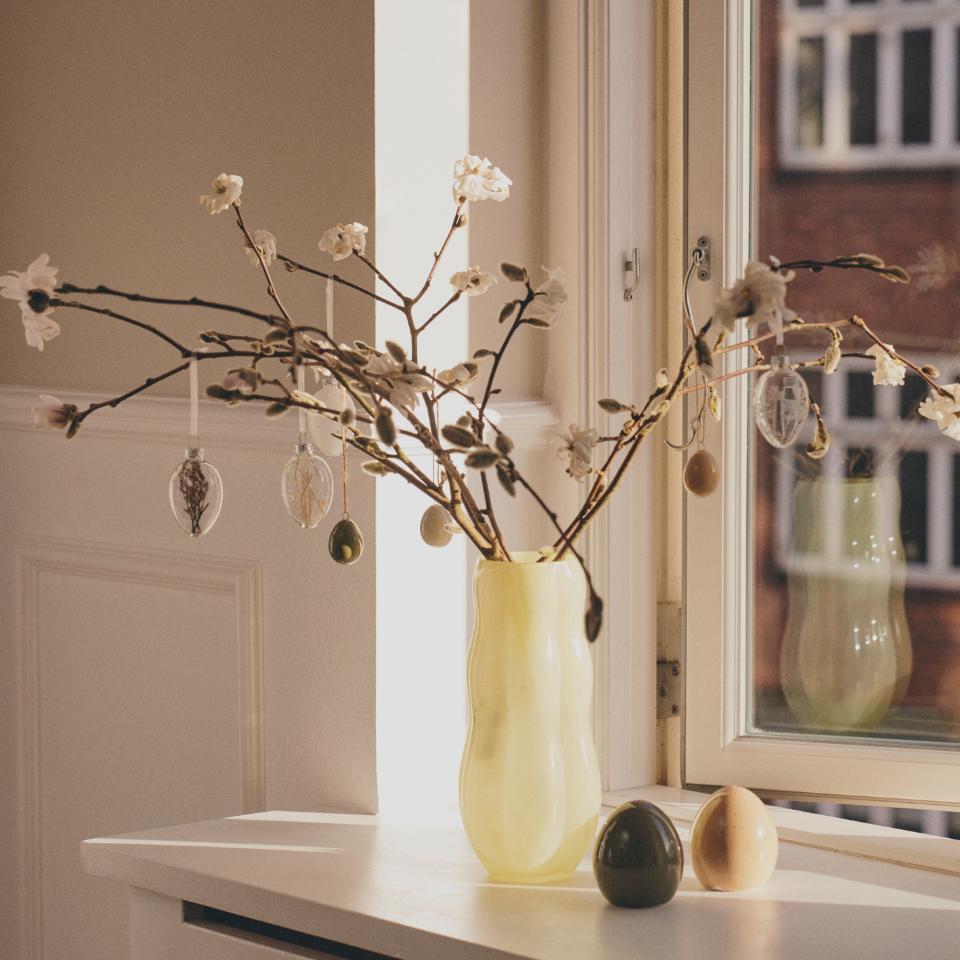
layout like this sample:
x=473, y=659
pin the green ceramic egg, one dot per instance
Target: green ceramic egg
x=346, y=542
x=638, y=860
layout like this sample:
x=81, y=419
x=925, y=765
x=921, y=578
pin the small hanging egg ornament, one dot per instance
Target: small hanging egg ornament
x=701, y=475
x=436, y=528
x=324, y=431
x=781, y=402
x=733, y=841
x=346, y=542
x=196, y=493
x=638, y=859
x=306, y=485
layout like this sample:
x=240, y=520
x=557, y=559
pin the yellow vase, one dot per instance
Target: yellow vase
x=529, y=778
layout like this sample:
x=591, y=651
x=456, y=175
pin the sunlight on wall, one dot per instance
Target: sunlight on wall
x=422, y=113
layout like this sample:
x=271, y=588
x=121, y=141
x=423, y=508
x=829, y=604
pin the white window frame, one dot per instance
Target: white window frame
x=836, y=21
x=718, y=747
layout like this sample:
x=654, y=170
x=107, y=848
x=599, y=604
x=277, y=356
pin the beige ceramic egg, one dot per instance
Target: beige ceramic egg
x=733, y=842
x=435, y=526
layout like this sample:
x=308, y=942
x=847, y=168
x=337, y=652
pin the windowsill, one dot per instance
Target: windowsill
x=416, y=891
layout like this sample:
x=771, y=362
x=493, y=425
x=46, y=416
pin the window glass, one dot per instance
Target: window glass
x=855, y=606
x=916, y=68
x=810, y=91
x=863, y=88
x=866, y=85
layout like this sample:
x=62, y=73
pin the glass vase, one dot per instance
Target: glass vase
x=529, y=778
x=846, y=656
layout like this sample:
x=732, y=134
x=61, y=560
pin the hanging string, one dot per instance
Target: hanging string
x=329, y=305
x=343, y=457
x=301, y=412
x=194, y=403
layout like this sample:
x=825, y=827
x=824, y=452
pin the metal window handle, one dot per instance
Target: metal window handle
x=632, y=266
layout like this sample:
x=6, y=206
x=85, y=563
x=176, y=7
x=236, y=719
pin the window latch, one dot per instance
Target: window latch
x=632, y=266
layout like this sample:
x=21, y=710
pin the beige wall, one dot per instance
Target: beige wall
x=118, y=114
x=507, y=124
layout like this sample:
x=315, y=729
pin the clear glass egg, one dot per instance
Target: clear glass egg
x=196, y=493
x=781, y=403
x=306, y=485
x=324, y=431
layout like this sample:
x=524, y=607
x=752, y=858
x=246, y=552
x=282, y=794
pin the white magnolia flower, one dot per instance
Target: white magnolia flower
x=460, y=375
x=52, y=414
x=226, y=191
x=476, y=179
x=551, y=295
x=38, y=327
x=473, y=281
x=577, y=449
x=662, y=379
x=944, y=411
x=343, y=239
x=759, y=297
x=403, y=380
x=33, y=287
x=266, y=243
x=243, y=381
x=888, y=372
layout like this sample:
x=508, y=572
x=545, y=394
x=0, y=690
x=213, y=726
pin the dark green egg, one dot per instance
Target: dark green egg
x=346, y=542
x=638, y=860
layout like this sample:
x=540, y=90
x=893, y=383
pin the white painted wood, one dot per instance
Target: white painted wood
x=719, y=747
x=619, y=362
x=415, y=891
x=148, y=678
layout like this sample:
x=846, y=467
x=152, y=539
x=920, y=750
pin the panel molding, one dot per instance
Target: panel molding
x=34, y=556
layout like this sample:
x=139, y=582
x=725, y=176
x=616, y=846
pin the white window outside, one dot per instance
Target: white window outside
x=869, y=84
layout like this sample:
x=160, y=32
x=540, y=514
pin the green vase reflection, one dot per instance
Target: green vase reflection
x=846, y=655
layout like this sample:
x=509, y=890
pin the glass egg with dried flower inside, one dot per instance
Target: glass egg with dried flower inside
x=781, y=402
x=196, y=493
x=306, y=485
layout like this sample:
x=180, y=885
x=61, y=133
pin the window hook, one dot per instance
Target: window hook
x=632, y=266
x=699, y=264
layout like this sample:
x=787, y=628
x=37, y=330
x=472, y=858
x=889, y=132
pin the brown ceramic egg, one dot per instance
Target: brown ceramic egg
x=702, y=473
x=733, y=842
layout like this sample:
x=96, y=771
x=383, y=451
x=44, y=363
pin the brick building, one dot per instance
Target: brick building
x=858, y=149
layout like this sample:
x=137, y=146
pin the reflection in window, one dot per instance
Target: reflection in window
x=810, y=92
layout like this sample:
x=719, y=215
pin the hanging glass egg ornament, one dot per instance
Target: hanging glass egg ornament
x=781, y=402
x=701, y=475
x=346, y=542
x=306, y=485
x=196, y=493
x=324, y=430
x=436, y=527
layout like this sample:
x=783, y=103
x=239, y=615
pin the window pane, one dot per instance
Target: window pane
x=863, y=88
x=810, y=92
x=855, y=626
x=914, y=483
x=859, y=394
x=916, y=87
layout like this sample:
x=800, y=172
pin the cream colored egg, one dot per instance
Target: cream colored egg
x=733, y=842
x=435, y=526
x=324, y=432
